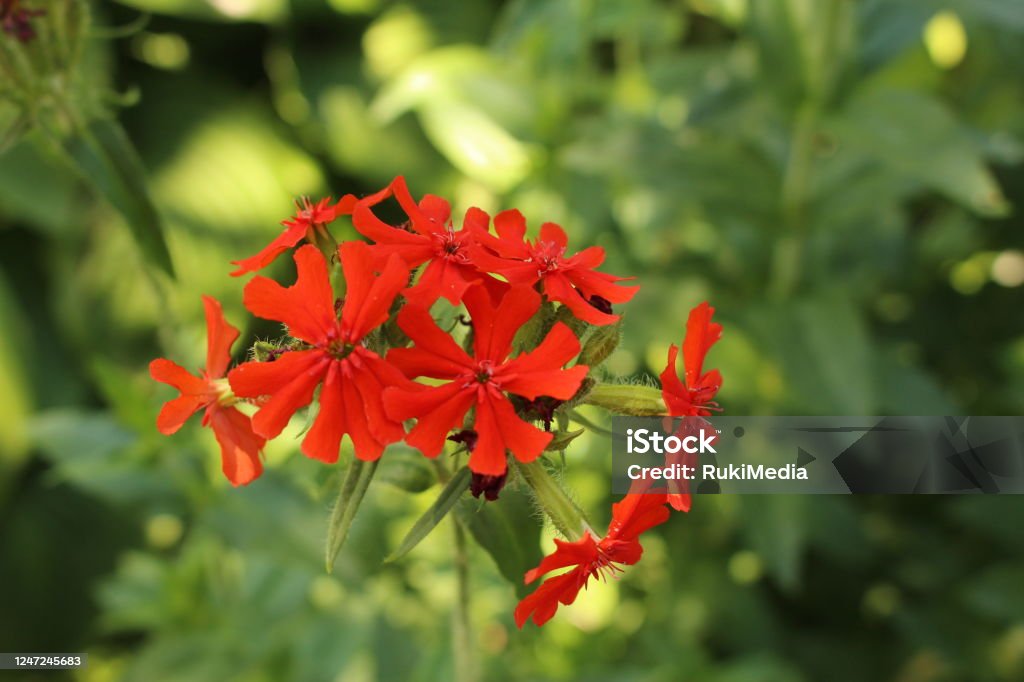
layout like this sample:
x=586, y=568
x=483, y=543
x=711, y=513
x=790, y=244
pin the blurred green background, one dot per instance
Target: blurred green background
x=839, y=178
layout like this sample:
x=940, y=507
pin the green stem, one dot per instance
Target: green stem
x=462, y=640
x=567, y=518
x=788, y=257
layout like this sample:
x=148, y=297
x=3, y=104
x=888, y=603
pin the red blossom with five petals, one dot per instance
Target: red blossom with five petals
x=431, y=239
x=591, y=558
x=352, y=376
x=572, y=281
x=308, y=219
x=240, y=447
x=483, y=380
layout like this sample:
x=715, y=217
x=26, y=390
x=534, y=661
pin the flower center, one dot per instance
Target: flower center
x=484, y=371
x=449, y=246
x=340, y=349
x=548, y=256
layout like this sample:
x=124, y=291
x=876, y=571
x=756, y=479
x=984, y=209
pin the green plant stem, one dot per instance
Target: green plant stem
x=788, y=256
x=462, y=639
x=567, y=518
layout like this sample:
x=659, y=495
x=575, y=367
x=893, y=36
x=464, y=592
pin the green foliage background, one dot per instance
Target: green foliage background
x=840, y=189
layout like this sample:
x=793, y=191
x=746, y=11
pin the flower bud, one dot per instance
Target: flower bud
x=633, y=400
x=601, y=343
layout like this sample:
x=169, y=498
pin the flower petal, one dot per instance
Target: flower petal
x=635, y=514
x=581, y=552
x=495, y=327
x=323, y=440
x=219, y=337
x=540, y=372
x=438, y=410
x=239, y=446
x=543, y=602
x=175, y=413
x=499, y=429
x=306, y=307
x=369, y=297
x=171, y=373
x=435, y=355
x=289, y=381
x=284, y=241
x=701, y=335
x=558, y=288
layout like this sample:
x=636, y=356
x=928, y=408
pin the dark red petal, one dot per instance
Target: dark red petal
x=701, y=334
x=306, y=307
x=494, y=328
x=369, y=297
x=284, y=241
x=239, y=446
x=219, y=337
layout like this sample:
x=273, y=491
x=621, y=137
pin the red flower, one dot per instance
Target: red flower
x=309, y=218
x=482, y=380
x=589, y=558
x=430, y=238
x=694, y=399
x=352, y=375
x=571, y=281
x=240, y=447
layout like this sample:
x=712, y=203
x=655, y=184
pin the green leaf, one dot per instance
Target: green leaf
x=106, y=159
x=915, y=138
x=353, y=489
x=444, y=503
x=508, y=531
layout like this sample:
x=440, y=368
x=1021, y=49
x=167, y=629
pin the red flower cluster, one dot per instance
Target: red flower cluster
x=367, y=393
x=382, y=369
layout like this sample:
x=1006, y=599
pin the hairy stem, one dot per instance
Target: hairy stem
x=567, y=518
